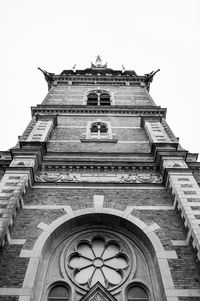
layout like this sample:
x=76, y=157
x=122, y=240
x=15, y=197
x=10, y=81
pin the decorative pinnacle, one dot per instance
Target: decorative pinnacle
x=98, y=61
x=98, y=64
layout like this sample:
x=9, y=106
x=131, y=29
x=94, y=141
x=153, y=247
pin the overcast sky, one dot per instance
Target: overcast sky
x=143, y=35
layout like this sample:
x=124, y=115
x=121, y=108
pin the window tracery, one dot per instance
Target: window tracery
x=98, y=131
x=99, y=258
x=99, y=98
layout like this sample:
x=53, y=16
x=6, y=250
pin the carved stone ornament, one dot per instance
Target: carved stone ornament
x=98, y=293
x=98, y=297
x=22, y=162
x=101, y=177
x=175, y=164
x=100, y=257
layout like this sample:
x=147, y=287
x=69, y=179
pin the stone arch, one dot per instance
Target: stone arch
x=119, y=218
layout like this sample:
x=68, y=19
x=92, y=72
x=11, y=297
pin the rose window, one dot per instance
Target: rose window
x=98, y=259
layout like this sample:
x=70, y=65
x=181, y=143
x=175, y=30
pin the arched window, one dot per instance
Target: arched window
x=58, y=292
x=92, y=99
x=99, y=130
x=98, y=98
x=137, y=293
x=104, y=99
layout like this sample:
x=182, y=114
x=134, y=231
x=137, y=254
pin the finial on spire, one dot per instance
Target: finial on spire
x=98, y=61
x=98, y=64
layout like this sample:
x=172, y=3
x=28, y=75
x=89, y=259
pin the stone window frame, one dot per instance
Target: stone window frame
x=139, y=284
x=98, y=91
x=88, y=137
x=124, y=253
x=57, y=284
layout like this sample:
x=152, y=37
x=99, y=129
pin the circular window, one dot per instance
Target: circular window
x=103, y=258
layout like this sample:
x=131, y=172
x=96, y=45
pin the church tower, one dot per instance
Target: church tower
x=98, y=200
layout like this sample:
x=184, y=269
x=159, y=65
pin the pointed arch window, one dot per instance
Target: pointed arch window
x=58, y=292
x=137, y=293
x=98, y=98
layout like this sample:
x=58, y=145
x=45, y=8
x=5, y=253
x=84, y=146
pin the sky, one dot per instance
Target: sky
x=142, y=35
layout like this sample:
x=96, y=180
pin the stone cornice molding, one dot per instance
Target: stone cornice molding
x=129, y=110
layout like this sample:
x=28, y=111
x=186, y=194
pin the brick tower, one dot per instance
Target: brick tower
x=98, y=201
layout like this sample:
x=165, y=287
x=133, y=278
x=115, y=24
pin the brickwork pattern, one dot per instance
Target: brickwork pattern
x=29, y=219
x=74, y=95
x=12, y=267
x=112, y=197
x=1, y=174
x=79, y=133
x=190, y=268
x=9, y=298
x=98, y=147
x=115, y=121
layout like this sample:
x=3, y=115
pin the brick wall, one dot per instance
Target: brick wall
x=114, y=121
x=12, y=267
x=74, y=95
x=1, y=173
x=78, y=133
x=170, y=223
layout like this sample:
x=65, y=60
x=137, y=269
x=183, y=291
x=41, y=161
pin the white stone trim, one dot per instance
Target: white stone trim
x=68, y=210
x=15, y=241
x=83, y=127
x=152, y=228
x=179, y=242
x=127, y=187
x=166, y=255
x=12, y=291
x=127, y=211
x=183, y=292
x=181, y=196
x=24, y=298
x=156, y=132
x=41, y=131
x=98, y=203
x=12, y=187
x=43, y=226
x=165, y=274
x=110, y=137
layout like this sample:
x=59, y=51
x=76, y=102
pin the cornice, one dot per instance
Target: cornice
x=113, y=110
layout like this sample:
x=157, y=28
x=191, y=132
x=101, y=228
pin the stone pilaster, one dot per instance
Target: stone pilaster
x=186, y=193
x=156, y=132
x=12, y=188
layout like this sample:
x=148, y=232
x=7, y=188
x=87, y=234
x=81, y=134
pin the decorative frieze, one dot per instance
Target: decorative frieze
x=99, y=177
